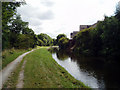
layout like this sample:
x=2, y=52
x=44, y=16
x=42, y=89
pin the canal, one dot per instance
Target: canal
x=92, y=71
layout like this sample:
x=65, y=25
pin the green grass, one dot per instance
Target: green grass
x=42, y=71
x=10, y=55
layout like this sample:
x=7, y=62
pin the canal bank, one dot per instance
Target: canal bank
x=92, y=71
x=42, y=71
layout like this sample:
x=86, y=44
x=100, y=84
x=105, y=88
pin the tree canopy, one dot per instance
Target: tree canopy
x=15, y=32
x=46, y=39
x=60, y=36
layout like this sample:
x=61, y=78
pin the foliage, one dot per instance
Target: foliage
x=40, y=42
x=63, y=42
x=46, y=39
x=54, y=42
x=10, y=55
x=82, y=40
x=8, y=11
x=110, y=36
x=117, y=13
x=25, y=41
x=28, y=31
x=20, y=35
x=16, y=32
x=60, y=36
x=17, y=25
x=101, y=40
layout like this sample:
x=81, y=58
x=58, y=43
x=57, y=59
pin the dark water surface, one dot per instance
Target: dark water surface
x=91, y=71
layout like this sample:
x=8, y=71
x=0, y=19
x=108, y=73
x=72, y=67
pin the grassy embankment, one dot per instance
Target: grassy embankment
x=10, y=55
x=42, y=71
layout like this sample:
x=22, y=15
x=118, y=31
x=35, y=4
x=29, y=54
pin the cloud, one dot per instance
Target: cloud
x=47, y=3
x=29, y=12
x=35, y=22
x=37, y=29
x=46, y=15
x=64, y=16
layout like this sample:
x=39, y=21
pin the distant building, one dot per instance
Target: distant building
x=73, y=34
x=87, y=26
x=84, y=27
x=81, y=28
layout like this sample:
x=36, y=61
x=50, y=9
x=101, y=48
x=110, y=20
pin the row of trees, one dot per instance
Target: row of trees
x=17, y=34
x=102, y=40
x=46, y=40
x=62, y=41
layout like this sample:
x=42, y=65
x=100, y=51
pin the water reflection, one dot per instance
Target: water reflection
x=90, y=70
x=73, y=68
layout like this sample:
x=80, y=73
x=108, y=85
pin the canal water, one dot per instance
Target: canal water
x=90, y=70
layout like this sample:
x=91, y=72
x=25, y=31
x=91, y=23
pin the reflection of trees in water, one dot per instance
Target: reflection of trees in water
x=95, y=66
x=99, y=69
x=62, y=55
x=53, y=49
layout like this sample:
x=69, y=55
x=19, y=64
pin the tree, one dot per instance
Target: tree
x=111, y=36
x=40, y=42
x=28, y=31
x=63, y=43
x=25, y=41
x=60, y=36
x=17, y=25
x=47, y=40
x=8, y=11
x=16, y=32
x=54, y=42
x=117, y=13
x=83, y=40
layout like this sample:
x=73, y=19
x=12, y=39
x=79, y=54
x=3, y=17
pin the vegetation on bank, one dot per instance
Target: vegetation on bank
x=10, y=55
x=41, y=71
x=103, y=40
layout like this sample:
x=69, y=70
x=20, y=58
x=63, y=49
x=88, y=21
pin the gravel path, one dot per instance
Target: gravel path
x=6, y=72
x=21, y=77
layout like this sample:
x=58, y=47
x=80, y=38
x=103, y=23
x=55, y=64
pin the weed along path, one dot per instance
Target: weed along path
x=7, y=71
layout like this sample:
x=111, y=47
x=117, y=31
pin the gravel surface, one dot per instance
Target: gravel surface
x=6, y=72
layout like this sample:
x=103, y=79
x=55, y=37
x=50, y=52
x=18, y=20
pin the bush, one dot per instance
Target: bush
x=25, y=41
x=63, y=43
x=46, y=39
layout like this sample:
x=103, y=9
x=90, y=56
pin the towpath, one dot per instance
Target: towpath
x=6, y=72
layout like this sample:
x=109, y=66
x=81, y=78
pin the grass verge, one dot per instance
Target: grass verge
x=42, y=71
x=10, y=55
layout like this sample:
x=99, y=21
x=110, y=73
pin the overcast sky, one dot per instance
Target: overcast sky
x=54, y=17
